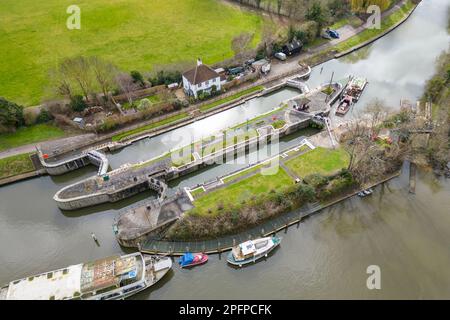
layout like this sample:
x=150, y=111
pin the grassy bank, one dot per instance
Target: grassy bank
x=135, y=35
x=320, y=160
x=155, y=125
x=246, y=203
x=213, y=203
x=15, y=165
x=28, y=135
x=230, y=98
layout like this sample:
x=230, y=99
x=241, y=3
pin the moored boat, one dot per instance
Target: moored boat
x=344, y=106
x=111, y=278
x=252, y=250
x=356, y=87
x=191, y=260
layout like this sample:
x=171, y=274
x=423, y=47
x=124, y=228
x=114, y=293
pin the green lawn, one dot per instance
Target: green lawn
x=230, y=98
x=133, y=34
x=15, y=165
x=368, y=34
x=319, y=160
x=197, y=192
x=28, y=135
x=161, y=123
x=243, y=190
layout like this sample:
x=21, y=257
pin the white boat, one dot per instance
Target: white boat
x=252, y=250
x=112, y=278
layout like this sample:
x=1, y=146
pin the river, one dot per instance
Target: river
x=326, y=257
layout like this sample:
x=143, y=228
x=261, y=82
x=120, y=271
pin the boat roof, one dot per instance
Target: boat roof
x=58, y=285
x=247, y=247
x=76, y=280
x=108, y=272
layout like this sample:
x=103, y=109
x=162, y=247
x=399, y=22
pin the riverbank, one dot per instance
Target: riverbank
x=361, y=36
x=270, y=227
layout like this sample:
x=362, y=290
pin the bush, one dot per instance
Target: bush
x=144, y=104
x=11, y=114
x=77, y=103
x=165, y=77
x=316, y=180
x=44, y=116
x=137, y=77
x=109, y=124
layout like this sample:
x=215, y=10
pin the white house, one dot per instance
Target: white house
x=201, y=78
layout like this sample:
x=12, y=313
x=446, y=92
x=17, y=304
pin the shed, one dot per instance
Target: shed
x=292, y=48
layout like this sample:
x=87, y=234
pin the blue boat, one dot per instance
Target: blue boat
x=252, y=250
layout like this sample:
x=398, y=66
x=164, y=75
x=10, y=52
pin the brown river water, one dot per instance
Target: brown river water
x=326, y=256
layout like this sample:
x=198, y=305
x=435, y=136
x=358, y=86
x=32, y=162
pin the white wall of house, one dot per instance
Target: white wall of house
x=205, y=86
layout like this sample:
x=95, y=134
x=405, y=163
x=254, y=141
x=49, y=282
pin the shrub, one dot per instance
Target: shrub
x=316, y=180
x=137, y=77
x=44, y=116
x=11, y=114
x=77, y=103
x=144, y=104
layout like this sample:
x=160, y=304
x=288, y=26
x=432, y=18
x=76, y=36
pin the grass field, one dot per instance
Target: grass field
x=15, y=165
x=319, y=160
x=28, y=135
x=133, y=34
x=240, y=191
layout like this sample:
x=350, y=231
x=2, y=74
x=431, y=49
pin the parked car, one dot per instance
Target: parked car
x=333, y=33
x=325, y=35
x=280, y=56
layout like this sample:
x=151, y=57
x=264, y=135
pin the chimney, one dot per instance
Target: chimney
x=199, y=62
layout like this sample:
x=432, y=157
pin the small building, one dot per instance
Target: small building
x=200, y=79
x=79, y=121
x=292, y=48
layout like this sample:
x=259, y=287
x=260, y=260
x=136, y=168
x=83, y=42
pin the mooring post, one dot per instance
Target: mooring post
x=412, y=177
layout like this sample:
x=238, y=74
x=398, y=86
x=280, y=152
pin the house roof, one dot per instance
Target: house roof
x=200, y=73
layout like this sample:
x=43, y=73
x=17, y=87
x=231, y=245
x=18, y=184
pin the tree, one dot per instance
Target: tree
x=338, y=8
x=11, y=114
x=370, y=160
x=316, y=13
x=104, y=73
x=126, y=86
x=78, y=70
x=241, y=43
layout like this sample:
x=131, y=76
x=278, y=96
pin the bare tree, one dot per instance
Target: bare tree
x=78, y=70
x=369, y=159
x=126, y=85
x=105, y=74
x=60, y=84
x=241, y=43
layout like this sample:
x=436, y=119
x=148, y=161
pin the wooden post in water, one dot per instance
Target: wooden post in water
x=412, y=177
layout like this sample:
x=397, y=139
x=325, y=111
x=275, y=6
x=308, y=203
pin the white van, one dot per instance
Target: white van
x=280, y=56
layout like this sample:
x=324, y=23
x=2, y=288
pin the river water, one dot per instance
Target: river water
x=326, y=256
